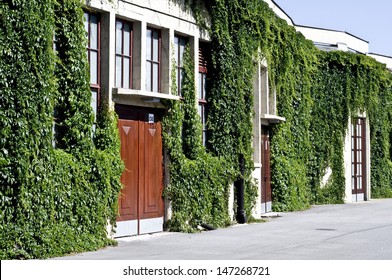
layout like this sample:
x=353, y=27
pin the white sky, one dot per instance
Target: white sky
x=366, y=19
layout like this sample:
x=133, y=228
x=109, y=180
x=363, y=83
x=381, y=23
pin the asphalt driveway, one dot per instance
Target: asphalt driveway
x=329, y=232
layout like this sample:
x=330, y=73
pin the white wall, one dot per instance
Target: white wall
x=344, y=40
x=387, y=60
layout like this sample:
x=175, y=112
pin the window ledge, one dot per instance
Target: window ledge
x=146, y=96
x=273, y=118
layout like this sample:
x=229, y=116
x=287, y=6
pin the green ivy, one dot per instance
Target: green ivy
x=59, y=200
x=317, y=93
x=199, y=182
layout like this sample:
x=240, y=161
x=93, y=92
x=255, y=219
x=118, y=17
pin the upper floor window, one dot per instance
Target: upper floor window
x=179, y=49
x=92, y=27
x=153, y=60
x=202, y=89
x=123, y=54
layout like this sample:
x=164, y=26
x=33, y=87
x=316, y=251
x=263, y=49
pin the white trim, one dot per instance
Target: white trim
x=126, y=228
x=266, y=207
x=146, y=94
x=273, y=118
x=151, y=225
x=358, y=197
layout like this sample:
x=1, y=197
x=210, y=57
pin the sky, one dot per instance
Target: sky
x=370, y=20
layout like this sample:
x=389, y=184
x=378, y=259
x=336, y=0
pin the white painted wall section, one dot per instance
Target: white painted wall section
x=339, y=38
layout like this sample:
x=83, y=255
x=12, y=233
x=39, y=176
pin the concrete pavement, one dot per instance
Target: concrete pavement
x=329, y=232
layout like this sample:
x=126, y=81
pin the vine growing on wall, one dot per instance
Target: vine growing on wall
x=199, y=182
x=317, y=93
x=59, y=200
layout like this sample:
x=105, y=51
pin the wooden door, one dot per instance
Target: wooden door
x=358, y=159
x=266, y=193
x=151, y=181
x=140, y=201
x=128, y=202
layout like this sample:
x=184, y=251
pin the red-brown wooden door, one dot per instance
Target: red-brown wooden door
x=266, y=193
x=140, y=201
x=128, y=199
x=358, y=159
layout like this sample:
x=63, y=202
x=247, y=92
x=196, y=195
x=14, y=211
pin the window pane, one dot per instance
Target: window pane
x=204, y=85
x=94, y=32
x=182, y=49
x=127, y=39
x=93, y=67
x=176, y=50
x=155, y=46
x=94, y=102
x=177, y=81
x=181, y=77
x=148, y=44
x=155, y=78
x=118, y=71
x=86, y=23
x=148, y=76
x=126, y=73
x=200, y=86
x=118, y=37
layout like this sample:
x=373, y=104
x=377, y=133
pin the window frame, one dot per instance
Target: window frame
x=202, y=89
x=123, y=55
x=179, y=60
x=94, y=87
x=153, y=62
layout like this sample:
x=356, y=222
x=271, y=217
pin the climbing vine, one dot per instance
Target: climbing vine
x=54, y=200
x=199, y=182
x=58, y=200
x=317, y=92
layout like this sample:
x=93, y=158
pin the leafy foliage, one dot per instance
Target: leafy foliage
x=199, y=182
x=59, y=200
x=317, y=93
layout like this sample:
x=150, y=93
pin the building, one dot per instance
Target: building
x=133, y=48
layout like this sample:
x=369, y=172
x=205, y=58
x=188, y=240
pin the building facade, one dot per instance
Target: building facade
x=134, y=47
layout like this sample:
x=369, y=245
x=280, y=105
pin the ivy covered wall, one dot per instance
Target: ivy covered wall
x=58, y=200
x=53, y=201
x=317, y=93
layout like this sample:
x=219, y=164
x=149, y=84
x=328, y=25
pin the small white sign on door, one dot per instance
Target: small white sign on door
x=151, y=118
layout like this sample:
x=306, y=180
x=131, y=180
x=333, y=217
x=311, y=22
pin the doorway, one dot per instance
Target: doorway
x=358, y=159
x=266, y=192
x=140, y=201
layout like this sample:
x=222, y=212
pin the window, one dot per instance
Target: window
x=92, y=27
x=202, y=89
x=123, y=54
x=153, y=59
x=179, y=49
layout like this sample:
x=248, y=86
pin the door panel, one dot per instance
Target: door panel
x=140, y=202
x=151, y=205
x=266, y=192
x=358, y=159
x=129, y=153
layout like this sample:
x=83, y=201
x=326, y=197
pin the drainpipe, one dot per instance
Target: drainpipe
x=239, y=184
